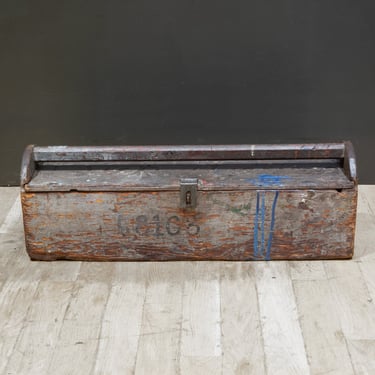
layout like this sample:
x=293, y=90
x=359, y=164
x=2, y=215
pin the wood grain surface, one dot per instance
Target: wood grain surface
x=244, y=225
x=209, y=178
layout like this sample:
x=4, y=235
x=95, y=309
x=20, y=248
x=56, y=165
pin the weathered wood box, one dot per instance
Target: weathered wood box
x=243, y=202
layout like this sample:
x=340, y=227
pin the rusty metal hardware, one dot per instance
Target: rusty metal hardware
x=188, y=192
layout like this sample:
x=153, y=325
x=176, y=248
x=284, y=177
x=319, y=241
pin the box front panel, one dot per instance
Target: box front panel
x=237, y=225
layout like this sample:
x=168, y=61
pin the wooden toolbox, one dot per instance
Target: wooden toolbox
x=239, y=202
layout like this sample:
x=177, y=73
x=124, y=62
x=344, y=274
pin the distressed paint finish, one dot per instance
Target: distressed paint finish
x=231, y=225
x=255, y=202
x=152, y=179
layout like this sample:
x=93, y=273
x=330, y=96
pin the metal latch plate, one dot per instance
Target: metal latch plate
x=188, y=192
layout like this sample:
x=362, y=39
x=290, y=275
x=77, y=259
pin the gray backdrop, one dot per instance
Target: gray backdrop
x=186, y=72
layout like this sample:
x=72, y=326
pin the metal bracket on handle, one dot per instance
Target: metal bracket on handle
x=188, y=192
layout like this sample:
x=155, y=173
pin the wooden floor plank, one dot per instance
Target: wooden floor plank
x=96, y=272
x=10, y=246
x=242, y=342
x=325, y=343
x=363, y=356
x=78, y=342
x=201, y=332
x=34, y=348
x=368, y=272
x=364, y=248
x=11, y=231
x=121, y=323
x=8, y=196
x=201, y=351
x=15, y=300
x=369, y=192
x=307, y=270
x=283, y=341
x=158, y=346
x=356, y=309
x=12, y=223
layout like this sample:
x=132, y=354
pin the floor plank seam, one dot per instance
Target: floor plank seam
x=110, y=286
x=72, y=293
x=179, y=372
x=140, y=329
x=349, y=353
x=299, y=316
x=13, y=217
x=261, y=326
x=339, y=320
x=368, y=291
x=221, y=320
x=24, y=320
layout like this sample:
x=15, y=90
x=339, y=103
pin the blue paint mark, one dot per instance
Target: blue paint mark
x=256, y=227
x=259, y=245
x=263, y=215
x=270, y=236
x=265, y=180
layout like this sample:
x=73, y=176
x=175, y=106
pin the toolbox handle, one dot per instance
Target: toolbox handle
x=27, y=165
x=200, y=152
x=350, y=165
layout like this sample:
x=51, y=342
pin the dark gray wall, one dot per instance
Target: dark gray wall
x=167, y=71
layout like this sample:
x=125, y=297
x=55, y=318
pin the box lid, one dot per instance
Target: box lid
x=219, y=167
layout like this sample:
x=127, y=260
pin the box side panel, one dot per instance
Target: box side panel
x=238, y=225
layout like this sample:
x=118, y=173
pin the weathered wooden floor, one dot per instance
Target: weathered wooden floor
x=186, y=317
